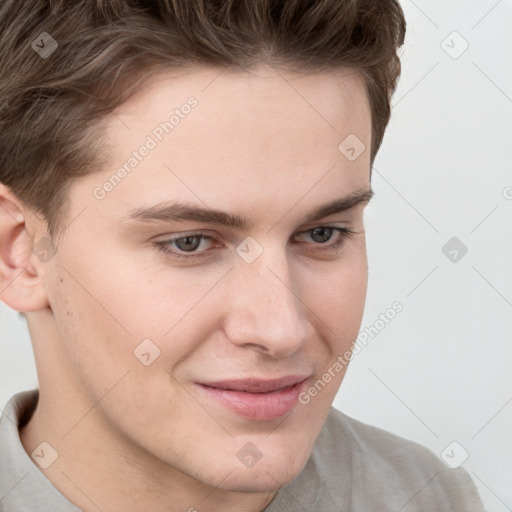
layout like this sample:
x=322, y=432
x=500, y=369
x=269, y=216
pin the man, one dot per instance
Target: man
x=181, y=207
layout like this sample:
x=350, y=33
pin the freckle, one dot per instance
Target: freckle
x=61, y=280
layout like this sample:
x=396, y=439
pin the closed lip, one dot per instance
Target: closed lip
x=257, y=385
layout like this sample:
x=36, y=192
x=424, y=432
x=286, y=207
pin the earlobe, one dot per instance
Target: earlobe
x=21, y=272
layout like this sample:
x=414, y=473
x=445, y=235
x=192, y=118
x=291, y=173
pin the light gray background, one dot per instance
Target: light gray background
x=440, y=371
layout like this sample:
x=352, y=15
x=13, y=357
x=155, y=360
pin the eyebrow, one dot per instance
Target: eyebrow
x=179, y=211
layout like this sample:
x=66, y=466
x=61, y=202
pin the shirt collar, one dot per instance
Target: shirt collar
x=23, y=485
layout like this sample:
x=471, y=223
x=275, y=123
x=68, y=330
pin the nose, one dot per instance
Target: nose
x=264, y=311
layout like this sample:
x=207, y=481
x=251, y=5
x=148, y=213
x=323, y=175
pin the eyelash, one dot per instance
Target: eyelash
x=163, y=246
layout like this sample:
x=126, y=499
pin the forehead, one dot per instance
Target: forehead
x=247, y=133
x=263, y=82
x=257, y=104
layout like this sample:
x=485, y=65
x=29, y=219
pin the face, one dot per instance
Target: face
x=154, y=306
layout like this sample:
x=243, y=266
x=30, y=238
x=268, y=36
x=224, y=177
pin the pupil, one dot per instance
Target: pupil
x=325, y=234
x=187, y=243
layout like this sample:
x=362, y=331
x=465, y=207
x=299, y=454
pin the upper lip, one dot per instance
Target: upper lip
x=255, y=385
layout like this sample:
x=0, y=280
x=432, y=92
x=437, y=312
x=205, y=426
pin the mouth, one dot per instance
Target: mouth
x=257, y=399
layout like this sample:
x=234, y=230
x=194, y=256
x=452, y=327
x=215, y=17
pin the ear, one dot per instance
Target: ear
x=22, y=269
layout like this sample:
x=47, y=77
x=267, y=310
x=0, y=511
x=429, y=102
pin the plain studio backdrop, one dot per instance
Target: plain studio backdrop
x=439, y=234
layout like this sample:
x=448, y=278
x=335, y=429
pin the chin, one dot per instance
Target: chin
x=262, y=477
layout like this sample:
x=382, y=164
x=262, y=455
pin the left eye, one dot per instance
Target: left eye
x=191, y=243
x=323, y=233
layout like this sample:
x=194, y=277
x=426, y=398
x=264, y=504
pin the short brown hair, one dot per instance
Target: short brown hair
x=49, y=106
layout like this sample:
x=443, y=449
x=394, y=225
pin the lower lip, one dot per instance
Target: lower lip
x=257, y=406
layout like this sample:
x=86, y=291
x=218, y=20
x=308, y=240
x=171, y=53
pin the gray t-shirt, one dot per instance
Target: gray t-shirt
x=354, y=467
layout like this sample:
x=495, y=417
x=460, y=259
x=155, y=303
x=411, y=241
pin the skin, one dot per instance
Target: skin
x=133, y=437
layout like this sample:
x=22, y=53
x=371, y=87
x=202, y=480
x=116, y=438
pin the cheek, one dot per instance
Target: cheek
x=89, y=300
x=339, y=307
x=115, y=318
x=336, y=293
x=96, y=346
